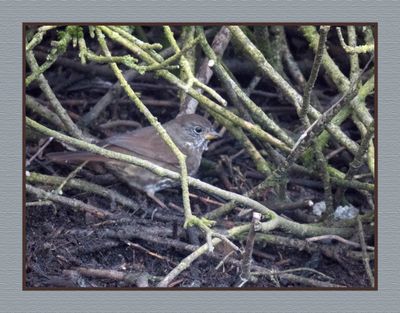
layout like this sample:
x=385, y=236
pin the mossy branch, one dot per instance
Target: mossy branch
x=206, y=102
x=153, y=121
x=354, y=49
x=54, y=102
x=295, y=98
x=60, y=48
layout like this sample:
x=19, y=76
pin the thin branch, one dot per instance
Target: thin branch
x=366, y=259
x=354, y=49
x=56, y=105
x=82, y=185
x=204, y=74
x=314, y=74
x=153, y=121
x=250, y=105
x=248, y=252
x=44, y=112
x=295, y=98
x=38, y=37
x=318, y=126
x=74, y=203
x=60, y=48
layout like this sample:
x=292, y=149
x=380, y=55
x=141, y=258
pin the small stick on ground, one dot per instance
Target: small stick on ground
x=364, y=253
x=246, y=261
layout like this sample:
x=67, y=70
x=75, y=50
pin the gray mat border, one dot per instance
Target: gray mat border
x=13, y=13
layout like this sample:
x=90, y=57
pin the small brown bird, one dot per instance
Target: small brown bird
x=191, y=133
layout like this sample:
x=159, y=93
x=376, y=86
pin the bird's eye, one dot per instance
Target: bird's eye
x=198, y=129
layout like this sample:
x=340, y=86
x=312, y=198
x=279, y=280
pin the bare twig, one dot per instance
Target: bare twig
x=313, y=76
x=39, y=151
x=44, y=112
x=338, y=238
x=60, y=47
x=83, y=186
x=248, y=252
x=140, y=279
x=295, y=98
x=354, y=49
x=365, y=254
x=56, y=105
x=74, y=203
x=38, y=37
x=204, y=74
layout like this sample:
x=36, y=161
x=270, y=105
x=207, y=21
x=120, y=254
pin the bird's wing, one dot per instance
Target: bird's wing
x=145, y=143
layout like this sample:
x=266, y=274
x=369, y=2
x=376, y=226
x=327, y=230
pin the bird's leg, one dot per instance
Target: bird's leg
x=152, y=196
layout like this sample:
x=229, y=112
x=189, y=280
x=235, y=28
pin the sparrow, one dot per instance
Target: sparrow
x=191, y=133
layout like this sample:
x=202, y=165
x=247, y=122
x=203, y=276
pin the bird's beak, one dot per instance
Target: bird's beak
x=212, y=135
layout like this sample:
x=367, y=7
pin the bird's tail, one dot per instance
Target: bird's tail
x=74, y=157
